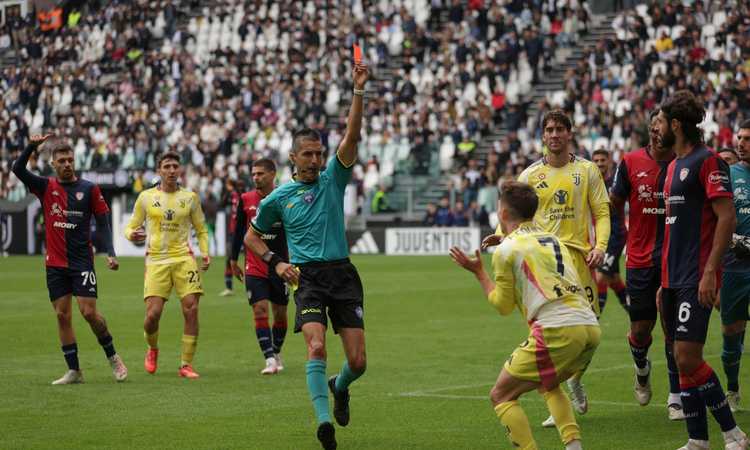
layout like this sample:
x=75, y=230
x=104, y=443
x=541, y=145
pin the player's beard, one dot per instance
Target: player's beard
x=668, y=139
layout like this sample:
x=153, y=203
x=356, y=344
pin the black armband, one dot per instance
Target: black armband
x=272, y=259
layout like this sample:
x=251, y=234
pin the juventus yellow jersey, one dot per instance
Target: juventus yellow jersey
x=569, y=198
x=534, y=272
x=168, y=217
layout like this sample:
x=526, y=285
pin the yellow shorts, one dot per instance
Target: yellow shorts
x=552, y=355
x=183, y=275
x=586, y=275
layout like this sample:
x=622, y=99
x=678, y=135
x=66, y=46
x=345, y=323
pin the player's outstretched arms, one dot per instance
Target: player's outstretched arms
x=347, y=151
x=134, y=230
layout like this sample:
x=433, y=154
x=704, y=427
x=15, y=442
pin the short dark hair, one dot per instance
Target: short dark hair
x=520, y=198
x=684, y=107
x=557, y=115
x=57, y=145
x=600, y=151
x=745, y=125
x=655, y=112
x=165, y=156
x=729, y=150
x=305, y=134
x=266, y=164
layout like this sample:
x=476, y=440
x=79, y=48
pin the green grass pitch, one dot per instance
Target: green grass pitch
x=434, y=349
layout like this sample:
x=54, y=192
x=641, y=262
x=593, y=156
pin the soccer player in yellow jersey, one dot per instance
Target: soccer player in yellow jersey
x=169, y=211
x=572, y=197
x=535, y=272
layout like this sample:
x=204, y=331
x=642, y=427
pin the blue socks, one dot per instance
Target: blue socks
x=70, y=352
x=346, y=377
x=731, y=354
x=318, y=387
x=263, y=333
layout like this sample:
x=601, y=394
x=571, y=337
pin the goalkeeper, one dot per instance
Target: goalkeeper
x=735, y=285
x=535, y=272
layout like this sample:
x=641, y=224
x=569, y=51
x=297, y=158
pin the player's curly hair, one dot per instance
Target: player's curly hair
x=557, y=115
x=520, y=198
x=684, y=107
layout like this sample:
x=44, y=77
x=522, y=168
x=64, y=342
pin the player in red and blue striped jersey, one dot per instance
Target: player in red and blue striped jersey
x=699, y=225
x=639, y=181
x=263, y=286
x=69, y=203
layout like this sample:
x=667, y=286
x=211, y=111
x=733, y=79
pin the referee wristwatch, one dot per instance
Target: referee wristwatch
x=272, y=259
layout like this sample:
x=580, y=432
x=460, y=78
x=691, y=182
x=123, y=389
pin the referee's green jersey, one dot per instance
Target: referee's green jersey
x=312, y=215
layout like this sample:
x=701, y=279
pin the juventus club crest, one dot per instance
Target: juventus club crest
x=169, y=214
x=577, y=179
x=684, y=173
x=561, y=197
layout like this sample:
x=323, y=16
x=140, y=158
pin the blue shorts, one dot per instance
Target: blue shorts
x=735, y=297
x=272, y=288
x=62, y=281
x=684, y=318
x=611, y=264
x=641, y=285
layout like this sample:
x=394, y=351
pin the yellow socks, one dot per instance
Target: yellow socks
x=511, y=415
x=560, y=408
x=152, y=339
x=188, y=348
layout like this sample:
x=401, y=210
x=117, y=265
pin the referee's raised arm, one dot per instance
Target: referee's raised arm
x=347, y=151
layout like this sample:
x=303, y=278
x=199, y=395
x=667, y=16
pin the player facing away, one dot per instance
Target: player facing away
x=169, y=211
x=608, y=273
x=536, y=273
x=263, y=286
x=735, y=284
x=699, y=225
x=311, y=210
x=571, y=192
x=231, y=200
x=68, y=203
x=639, y=181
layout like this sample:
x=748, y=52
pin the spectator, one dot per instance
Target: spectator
x=379, y=202
x=430, y=215
x=460, y=215
x=443, y=214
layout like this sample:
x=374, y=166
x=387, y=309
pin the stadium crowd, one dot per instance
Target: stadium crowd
x=230, y=84
x=126, y=83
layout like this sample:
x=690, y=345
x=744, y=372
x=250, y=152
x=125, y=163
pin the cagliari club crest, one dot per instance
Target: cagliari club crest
x=684, y=173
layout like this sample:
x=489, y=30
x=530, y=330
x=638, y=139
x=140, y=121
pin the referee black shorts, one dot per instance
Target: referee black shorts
x=330, y=289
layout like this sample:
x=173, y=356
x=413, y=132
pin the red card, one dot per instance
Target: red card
x=357, y=54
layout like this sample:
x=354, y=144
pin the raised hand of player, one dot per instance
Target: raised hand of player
x=112, y=263
x=206, y=261
x=473, y=265
x=360, y=75
x=287, y=272
x=237, y=270
x=38, y=139
x=707, y=290
x=595, y=258
x=491, y=241
x=138, y=235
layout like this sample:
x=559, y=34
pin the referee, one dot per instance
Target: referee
x=311, y=209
